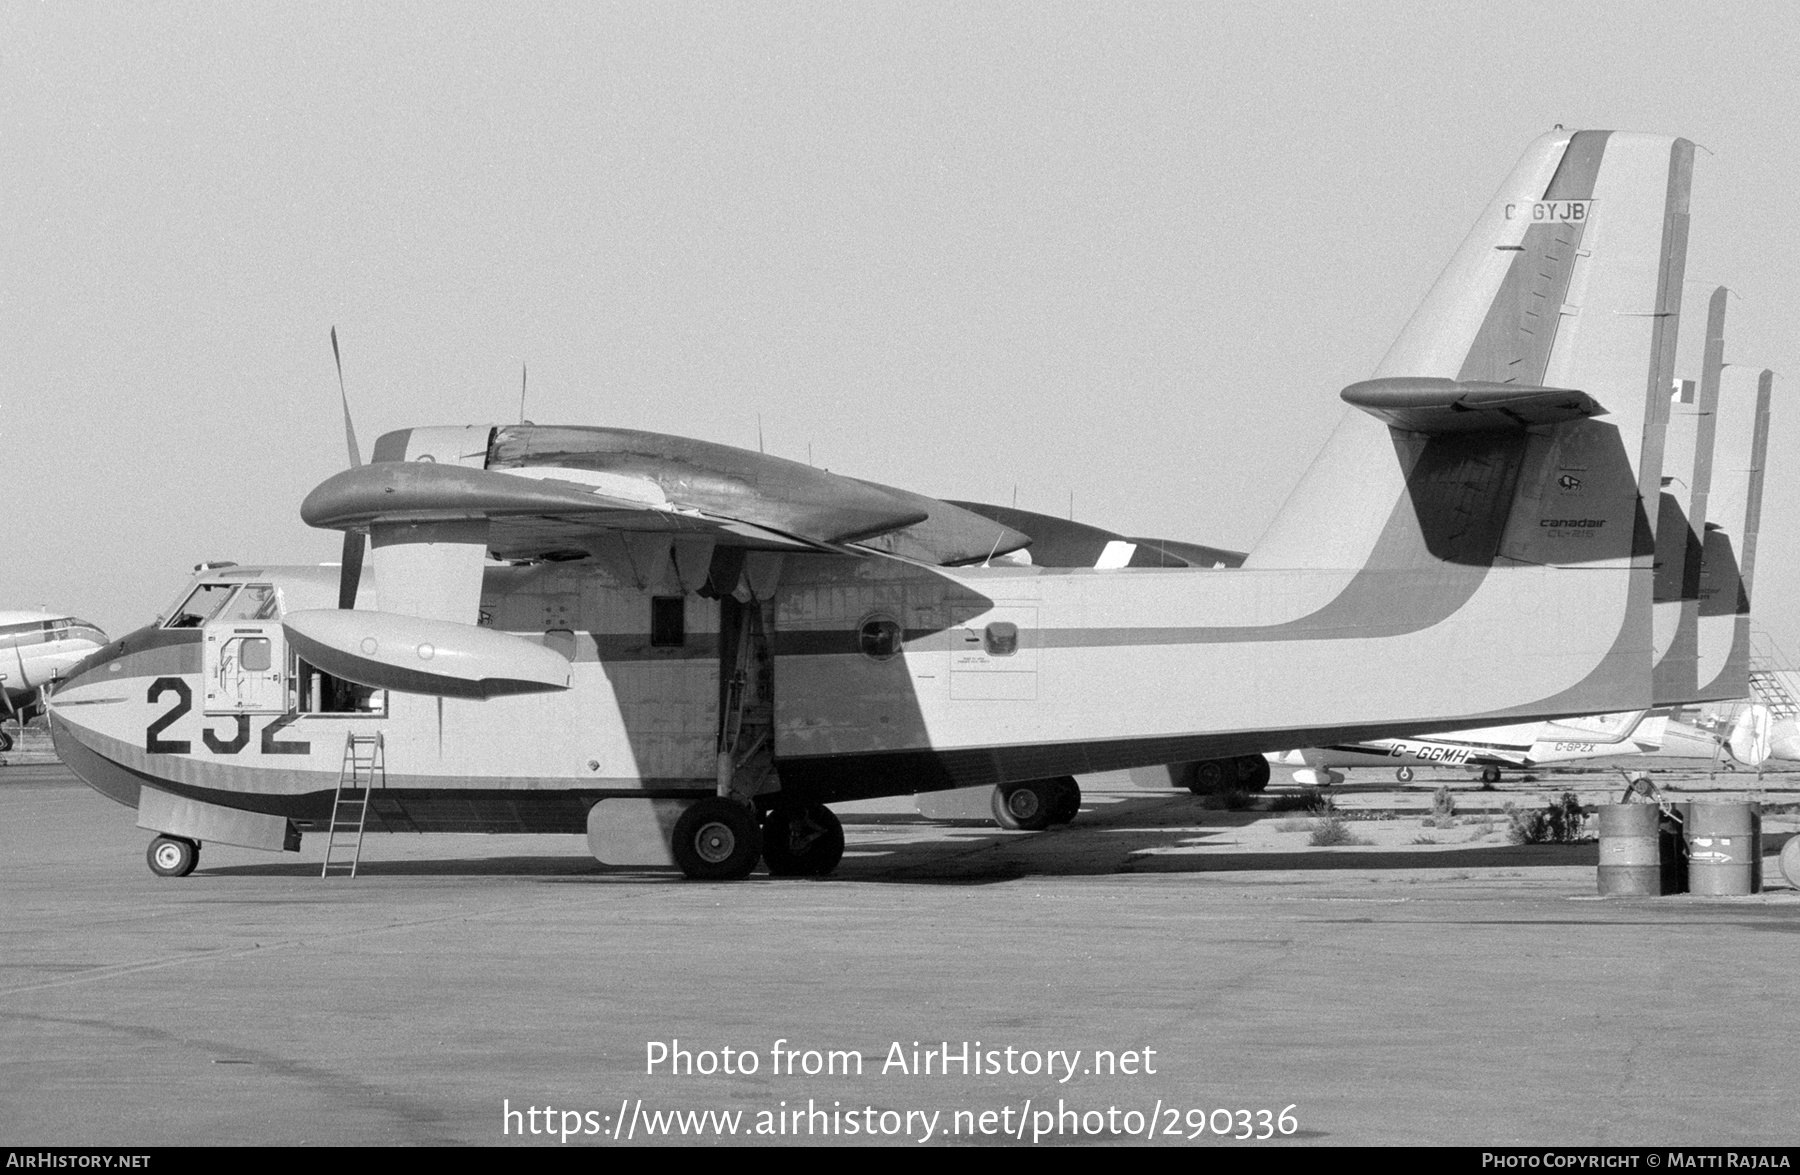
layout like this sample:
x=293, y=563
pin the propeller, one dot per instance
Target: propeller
x=350, y=566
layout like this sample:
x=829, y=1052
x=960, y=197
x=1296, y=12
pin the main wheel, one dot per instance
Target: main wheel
x=1490, y=775
x=1208, y=777
x=1065, y=802
x=1252, y=772
x=802, y=841
x=1403, y=774
x=1024, y=807
x=173, y=856
x=5, y=742
x=717, y=840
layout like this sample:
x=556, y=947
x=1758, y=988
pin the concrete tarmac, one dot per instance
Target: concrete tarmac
x=1468, y=993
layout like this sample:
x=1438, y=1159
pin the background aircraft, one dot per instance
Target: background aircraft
x=36, y=650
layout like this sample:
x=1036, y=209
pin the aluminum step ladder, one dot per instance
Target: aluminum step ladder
x=363, y=770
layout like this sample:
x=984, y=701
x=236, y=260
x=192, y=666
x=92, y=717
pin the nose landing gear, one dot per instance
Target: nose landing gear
x=173, y=856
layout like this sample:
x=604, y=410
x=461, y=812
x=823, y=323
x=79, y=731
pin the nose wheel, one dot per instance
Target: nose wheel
x=173, y=856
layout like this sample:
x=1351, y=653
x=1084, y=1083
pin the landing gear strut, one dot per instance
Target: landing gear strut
x=173, y=856
x=717, y=840
x=802, y=841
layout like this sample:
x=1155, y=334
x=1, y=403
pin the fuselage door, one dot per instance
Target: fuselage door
x=244, y=656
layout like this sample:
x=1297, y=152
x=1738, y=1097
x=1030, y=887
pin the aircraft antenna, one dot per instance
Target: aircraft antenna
x=523, y=374
x=989, y=561
x=759, y=441
x=349, y=429
x=1071, y=505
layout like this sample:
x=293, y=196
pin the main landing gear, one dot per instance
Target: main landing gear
x=1244, y=773
x=717, y=840
x=1036, y=804
x=720, y=840
x=802, y=841
x=173, y=856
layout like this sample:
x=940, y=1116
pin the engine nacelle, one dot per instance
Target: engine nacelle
x=417, y=656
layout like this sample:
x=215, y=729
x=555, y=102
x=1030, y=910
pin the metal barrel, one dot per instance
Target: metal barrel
x=1724, y=844
x=1790, y=861
x=1630, y=862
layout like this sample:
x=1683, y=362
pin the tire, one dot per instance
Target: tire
x=1252, y=772
x=1490, y=775
x=172, y=856
x=1403, y=774
x=717, y=840
x=1024, y=807
x=6, y=743
x=1209, y=777
x=1065, y=803
x=802, y=841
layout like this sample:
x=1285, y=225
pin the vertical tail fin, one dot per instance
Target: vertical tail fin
x=1728, y=561
x=1682, y=519
x=1509, y=440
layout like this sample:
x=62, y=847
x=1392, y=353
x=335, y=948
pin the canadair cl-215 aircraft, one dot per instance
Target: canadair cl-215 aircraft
x=691, y=649
x=36, y=649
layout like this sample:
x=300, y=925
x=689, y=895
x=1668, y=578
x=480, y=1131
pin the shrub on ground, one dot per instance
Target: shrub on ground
x=1559, y=822
x=1332, y=830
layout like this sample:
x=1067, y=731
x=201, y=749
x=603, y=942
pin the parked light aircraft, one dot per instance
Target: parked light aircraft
x=1522, y=745
x=36, y=649
x=688, y=650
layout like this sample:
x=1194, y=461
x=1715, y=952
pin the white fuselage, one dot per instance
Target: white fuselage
x=38, y=649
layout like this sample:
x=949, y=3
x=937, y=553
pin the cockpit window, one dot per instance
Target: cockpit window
x=201, y=605
x=255, y=602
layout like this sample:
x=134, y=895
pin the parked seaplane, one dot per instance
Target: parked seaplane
x=687, y=651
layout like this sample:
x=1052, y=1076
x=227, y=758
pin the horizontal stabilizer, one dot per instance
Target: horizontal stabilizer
x=1434, y=405
x=417, y=656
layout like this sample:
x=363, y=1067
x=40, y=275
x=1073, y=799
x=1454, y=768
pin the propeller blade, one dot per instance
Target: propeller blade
x=350, y=570
x=349, y=429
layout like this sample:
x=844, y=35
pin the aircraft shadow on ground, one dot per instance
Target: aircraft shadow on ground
x=1152, y=834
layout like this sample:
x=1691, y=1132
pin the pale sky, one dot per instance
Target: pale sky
x=1130, y=252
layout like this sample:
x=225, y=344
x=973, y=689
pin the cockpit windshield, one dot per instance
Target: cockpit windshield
x=201, y=605
x=70, y=628
x=256, y=602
